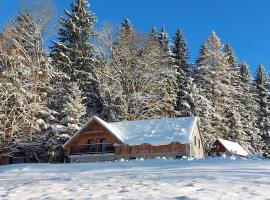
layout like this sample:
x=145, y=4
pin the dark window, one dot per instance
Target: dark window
x=195, y=140
x=90, y=142
x=91, y=146
x=199, y=142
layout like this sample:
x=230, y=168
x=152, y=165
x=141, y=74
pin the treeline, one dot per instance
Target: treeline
x=121, y=74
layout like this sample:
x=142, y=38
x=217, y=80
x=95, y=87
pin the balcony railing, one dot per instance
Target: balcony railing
x=97, y=148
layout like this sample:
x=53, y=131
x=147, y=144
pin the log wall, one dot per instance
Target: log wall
x=217, y=149
x=145, y=149
x=4, y=160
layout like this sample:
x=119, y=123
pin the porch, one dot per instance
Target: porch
x=97, y=148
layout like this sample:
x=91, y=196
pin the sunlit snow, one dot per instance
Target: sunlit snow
x=155, y=179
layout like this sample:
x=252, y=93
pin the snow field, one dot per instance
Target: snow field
x=149, y=179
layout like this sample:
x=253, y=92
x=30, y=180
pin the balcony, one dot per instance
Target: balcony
x=97, y=148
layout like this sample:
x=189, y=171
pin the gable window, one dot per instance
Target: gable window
x=199, y=142
x=195, y=140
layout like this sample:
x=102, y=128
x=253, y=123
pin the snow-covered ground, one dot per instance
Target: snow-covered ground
x=154, y=179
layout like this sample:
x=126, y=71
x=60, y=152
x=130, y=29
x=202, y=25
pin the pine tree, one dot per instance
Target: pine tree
x=185, y=103
x=73, y=54
x=153, y=34
x=263, y=112
x=249, y=110
x=203, y=106
x=163, y=38
x=233, y=114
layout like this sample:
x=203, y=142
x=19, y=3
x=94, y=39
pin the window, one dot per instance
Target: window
x=104, y=144
x=199, y=142
x=91, y=146
x=195, y=140
x=90, y=141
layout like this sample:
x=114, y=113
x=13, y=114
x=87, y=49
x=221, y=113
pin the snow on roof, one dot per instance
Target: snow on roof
x=155, y=131
x=152, y=131
x=233, y=147
x=109, y=127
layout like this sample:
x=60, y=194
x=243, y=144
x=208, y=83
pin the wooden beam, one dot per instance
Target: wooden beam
x=87, y=132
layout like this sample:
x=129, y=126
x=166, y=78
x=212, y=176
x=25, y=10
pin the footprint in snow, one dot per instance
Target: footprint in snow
x=190, y=185
x=124, y=189
x=184, y=198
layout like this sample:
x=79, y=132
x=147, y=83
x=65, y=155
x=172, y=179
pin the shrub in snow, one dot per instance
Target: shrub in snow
x=223, y=156
x=232, y=157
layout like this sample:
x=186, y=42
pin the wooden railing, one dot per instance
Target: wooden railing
x=97, y=148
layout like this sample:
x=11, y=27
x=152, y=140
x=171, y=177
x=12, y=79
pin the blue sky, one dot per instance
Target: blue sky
x=245, y=24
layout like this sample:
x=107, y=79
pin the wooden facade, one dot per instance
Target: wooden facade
x=144, y=149
x=222, y=146
x=94, y=142
x=93, y=139
x=217, y=149
x=4, y=160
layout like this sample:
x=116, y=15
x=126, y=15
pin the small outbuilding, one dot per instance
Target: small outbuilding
x=227, y=147
x=98, y=140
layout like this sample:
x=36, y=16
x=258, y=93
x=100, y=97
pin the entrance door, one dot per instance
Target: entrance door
x=104, y=144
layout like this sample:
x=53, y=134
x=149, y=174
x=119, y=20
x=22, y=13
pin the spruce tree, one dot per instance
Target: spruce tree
x=153, y=34
x=233, y=113
x=263, y=112
x=73, y=54
x=250, y=107
x=185, y=103
x=163, y=38
x=203, y=106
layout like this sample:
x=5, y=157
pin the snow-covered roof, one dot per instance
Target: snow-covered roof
x=152, y=131
x=233, y=147
x=156, y=131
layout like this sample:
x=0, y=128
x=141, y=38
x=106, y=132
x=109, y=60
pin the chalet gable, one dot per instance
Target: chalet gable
x=109, y=129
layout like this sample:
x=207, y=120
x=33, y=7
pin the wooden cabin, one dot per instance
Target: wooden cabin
x=227, y=147
x=98, y=140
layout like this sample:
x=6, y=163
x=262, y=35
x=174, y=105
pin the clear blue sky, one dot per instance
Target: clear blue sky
x=245, y=24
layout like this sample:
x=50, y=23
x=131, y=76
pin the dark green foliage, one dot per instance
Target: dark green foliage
x=263, y=113
x=73, y=54
x=185, y=102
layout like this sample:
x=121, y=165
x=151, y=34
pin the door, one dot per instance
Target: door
x=104, y=144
